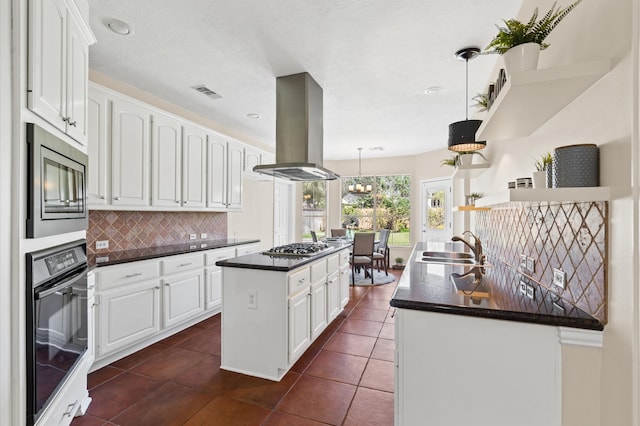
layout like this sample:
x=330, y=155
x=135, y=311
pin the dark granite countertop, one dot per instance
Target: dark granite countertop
x=428, y=287
x=125, y=256
x=276, y=263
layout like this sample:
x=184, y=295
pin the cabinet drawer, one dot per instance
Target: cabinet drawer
x=115, y=276
x=247, y=249
x=333, y=262
x=318, y=270
x=344, y=257
x=173, y=264
x=214, y=255
x=299, y=280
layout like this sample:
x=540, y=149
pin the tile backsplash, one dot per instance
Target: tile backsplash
x=570, y=236
x=126, y=230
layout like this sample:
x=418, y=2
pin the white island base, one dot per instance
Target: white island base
x=269, y=318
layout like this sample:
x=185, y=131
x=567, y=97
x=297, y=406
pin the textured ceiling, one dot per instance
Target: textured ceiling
x=373, y=59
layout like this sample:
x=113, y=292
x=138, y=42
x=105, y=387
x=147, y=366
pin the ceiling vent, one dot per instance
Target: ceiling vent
x=206, y=91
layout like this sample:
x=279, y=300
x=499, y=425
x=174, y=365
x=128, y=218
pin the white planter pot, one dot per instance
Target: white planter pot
x=539, y=179
x=523, y=57
x=465, y=159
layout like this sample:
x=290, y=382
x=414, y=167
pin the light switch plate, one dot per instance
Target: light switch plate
x=203, y=236
x=531, y=265
x=559, y=278
x=523, y=261
x=192, y=236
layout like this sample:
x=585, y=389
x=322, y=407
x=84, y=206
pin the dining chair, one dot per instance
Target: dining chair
x=314, y=237
x=339, y=232
x=362, y=253
x=381, y=252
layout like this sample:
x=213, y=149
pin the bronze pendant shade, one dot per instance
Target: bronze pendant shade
x=462, y=134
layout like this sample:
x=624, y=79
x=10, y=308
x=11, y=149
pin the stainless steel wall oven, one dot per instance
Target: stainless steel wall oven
x=56, y=185
x=56, y=320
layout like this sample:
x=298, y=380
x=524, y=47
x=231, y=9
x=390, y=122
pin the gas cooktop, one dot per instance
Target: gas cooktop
x=299, y=250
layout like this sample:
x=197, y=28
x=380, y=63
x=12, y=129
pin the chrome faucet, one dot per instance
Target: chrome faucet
x=476, y=248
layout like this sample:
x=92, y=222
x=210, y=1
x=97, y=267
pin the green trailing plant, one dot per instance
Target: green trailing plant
x=515, y=32
x=481, y=102
x=543, y=162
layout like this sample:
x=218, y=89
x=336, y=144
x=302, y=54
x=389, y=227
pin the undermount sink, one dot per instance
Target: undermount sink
x=447, y=258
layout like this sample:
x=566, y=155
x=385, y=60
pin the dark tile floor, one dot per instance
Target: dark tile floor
x=344, y=378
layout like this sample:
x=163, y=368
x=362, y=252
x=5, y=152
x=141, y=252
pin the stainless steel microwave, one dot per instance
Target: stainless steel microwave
x=56, y=185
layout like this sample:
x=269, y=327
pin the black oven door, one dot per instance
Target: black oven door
x=57, y=336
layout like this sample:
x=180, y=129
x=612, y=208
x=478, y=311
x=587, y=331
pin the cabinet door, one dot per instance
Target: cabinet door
x=299, y=325
x=99, y=113
x=333, y=296
x=213, y=293
x=344, y=287
x=318, y=308
x=216, y=173
x=47, y=49
x=127, y=315
x=77, y=82
x=166, y=144
x=130, y=153
x=194, y=166
x=235, y=159
x=183, y=297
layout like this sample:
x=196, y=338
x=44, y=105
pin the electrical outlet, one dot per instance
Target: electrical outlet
x=559, y=278
x=523, y=287
x=531, y=292
x=203, y=236
x=252, y=301
x=523, y=261
x=192, y=236
x=531, y=265
x=102, y=244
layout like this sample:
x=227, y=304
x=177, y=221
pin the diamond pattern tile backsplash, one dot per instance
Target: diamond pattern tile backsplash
x=569, y=236
x=126, y=230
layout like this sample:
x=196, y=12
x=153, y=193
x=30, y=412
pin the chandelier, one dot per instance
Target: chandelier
x=360, y=188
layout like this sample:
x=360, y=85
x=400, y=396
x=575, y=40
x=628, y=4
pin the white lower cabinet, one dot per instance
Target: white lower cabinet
x=344, y=278
x=183, y=297
x=140, y=303
x=333, y=296
x=128, y=314
x=299, y=324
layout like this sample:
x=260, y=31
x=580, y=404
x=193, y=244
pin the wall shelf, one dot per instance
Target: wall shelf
x=530, y=98
x=470, y=208
x=599, y=193
x=470, y=171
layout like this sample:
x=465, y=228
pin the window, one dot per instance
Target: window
x=388, y=205
x=314, y=209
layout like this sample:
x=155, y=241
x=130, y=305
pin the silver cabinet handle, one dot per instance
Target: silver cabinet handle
x=167, y=284
x=177, y=202
x=65, y=119
x=137, y=274
x=301, y=280
x=185, y=264
x=116, y=198
x=72, y=123
x=102, y=197
x=185, y=202
x=157, y=287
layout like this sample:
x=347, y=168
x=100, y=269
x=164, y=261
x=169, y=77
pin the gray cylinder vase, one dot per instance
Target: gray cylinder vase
x=576, y=166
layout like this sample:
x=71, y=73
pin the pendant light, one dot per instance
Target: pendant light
x=359, y=188
x=462, y=134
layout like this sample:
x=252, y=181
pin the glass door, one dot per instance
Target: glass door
x=435, y=211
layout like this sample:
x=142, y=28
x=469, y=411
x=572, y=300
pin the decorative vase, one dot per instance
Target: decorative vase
x=549, y=171
x=522, y=57
x=539, y=179
x=465, y=159
x=576, y=166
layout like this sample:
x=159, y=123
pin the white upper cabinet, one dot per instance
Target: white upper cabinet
x=194, y=167
x=98, y=148
x=217, y=173
x=59, y=42
x=130, y=148
x=166, y=146
x=235, y=164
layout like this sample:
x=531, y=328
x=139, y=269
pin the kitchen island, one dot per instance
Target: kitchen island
x=274, y=307
x=472, y=356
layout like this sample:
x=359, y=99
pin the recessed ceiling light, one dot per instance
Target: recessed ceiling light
x=376, y=148
x=433, y=90
x=118, y=26
x=253, y=115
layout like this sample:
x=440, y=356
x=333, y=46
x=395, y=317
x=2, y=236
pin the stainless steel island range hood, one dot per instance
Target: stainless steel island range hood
x=298, y=131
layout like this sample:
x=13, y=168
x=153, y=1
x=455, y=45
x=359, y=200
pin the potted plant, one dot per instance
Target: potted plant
x=481, y=102
x=528, y=37
x=398, y=264
x=539, y=177
x=470, y=200
x=462, y=158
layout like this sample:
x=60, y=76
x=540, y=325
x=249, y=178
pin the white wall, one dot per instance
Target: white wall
x=256, y=218
x=603, y=115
